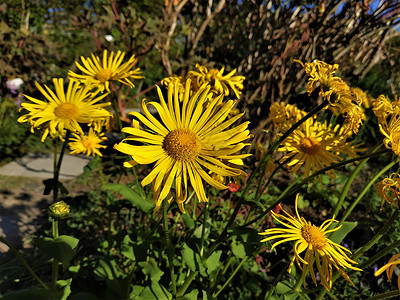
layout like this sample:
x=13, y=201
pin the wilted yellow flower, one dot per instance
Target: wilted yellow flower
x=342, y=99
x=382, y=108
x=389, y=189
x=63, y=110
x=190, y=137
x=314, y=241
x=87, y=144
x=59, y=210
x=389, y=268
x=98, y=73
x=218, y=82
x=321, y=72
x=316, y=146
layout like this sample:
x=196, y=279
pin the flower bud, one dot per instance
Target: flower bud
x=59, y=210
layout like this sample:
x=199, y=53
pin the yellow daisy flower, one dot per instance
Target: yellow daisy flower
x=389, y=189
x=389, y=268
x=219, y=83
x=63, y=110
x=99, y=73
x=87, y=144
x=190, y=137
x=313, y=240
x=316, y=146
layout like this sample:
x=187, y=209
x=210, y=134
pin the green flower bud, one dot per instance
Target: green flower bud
x=59, y=210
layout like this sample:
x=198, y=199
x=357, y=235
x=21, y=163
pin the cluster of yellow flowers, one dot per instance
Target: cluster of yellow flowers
x=343, y=99
x=80, y=104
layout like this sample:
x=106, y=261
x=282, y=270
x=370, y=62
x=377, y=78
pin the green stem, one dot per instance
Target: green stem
x=203, y=229
x=230, y=277
x=299, y=281
x=192, y=275
x=366, y=188
x=378, y=256
x=55, y=261
x=57, y=165
x=298, y=183
x=168, y=248
x=386, y=295
x=108, y=203
x=23, y=261
x=347, y=186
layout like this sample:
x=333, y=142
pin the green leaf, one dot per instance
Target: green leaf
x=187, y=219
x=213, y=262
x=151, y=268
x=127, y=248
x=91, y=165
x=155, y=291
x=106, y=269
x=131, y=195
x=39, y=293
x=238, y=249
x=340, y=234
x=189, y=256
x=63, y=248
x=83, y=296
x=192, y=295
x=192, y=260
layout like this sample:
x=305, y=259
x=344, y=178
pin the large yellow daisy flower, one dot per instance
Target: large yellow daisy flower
x=87, y=144
x=219, y=83
x=313, y=240
x=63, y=110
x=190, y=137
x=316, y=146
x=99, y=73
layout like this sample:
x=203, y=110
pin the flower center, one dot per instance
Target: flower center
x=314, y=236
x=104, y=75
x=310, y=145
x=87, y=144
x=67, y=111
x=181, y=144
x=212, y=75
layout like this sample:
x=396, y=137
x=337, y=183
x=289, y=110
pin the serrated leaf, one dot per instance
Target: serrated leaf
x=131, y=195
x=63, y=248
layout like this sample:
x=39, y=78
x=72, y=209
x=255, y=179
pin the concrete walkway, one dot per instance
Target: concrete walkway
x=41, y=165
x=22, y=203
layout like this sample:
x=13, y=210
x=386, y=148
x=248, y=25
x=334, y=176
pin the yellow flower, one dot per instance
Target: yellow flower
x=389, y=268
x=189, y=137
x=87, y=144
x=219, y=83
x=316, y=146
x=98, y=74
x=63, y=110
x=389, y=189
x=284, y=116
x=314, y=241
x=382, y=107
x=321, y=72
x=346, y=101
